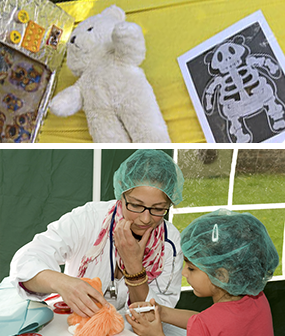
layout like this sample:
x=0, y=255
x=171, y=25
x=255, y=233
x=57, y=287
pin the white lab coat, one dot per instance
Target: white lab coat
x=67, y=240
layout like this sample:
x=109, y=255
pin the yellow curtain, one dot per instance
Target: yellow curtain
x=171, y=27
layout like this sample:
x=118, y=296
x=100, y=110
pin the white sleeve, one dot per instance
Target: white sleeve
x=163, y=279
x=65, y=241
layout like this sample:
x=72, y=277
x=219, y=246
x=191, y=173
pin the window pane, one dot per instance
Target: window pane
x=206, y=173
x=259, y=179
x=260, y=176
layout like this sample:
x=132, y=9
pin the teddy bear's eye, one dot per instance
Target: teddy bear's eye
x=89, y=29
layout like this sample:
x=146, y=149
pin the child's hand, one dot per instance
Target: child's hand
x=146, y=324
x=149, y=315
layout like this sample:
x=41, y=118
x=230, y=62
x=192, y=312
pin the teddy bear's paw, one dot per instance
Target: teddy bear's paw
x=71, y=329
x=59, y=107
x=66, y=102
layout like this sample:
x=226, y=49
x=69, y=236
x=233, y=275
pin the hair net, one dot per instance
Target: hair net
x=237, y=243
x=150, y=167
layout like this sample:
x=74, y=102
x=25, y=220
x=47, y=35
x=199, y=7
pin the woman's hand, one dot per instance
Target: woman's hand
x=76, y=293
x=80, y=296
x=146, y=324
x=130, y=250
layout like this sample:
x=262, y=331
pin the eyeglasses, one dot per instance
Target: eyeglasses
x=160, y=212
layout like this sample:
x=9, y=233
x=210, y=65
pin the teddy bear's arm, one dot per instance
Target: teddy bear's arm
x=67, y=102
x=129, y=43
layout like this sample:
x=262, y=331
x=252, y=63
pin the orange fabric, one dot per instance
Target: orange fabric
x=106, y=322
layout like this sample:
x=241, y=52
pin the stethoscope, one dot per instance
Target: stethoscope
x=112, y=288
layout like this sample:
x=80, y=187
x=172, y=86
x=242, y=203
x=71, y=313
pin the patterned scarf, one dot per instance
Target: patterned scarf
x=153, y=259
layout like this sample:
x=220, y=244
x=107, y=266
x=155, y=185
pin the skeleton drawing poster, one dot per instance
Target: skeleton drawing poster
x=236, y=81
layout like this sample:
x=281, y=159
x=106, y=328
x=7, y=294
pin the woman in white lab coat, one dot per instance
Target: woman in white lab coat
x=126, y=243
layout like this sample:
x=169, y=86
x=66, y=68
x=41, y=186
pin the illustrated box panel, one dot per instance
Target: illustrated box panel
x=33, y=37
x=22, y=85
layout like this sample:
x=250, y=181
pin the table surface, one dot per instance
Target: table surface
x=59, y=326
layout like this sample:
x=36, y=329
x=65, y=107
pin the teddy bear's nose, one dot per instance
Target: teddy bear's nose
x=72, y=40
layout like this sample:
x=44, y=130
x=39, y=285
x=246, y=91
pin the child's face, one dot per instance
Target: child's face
x=198, y=279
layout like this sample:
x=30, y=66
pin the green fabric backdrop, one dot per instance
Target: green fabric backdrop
x=36, y=188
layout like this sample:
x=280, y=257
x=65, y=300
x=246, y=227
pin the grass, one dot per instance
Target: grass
x=248, y=189
x=260, y=188
x=205, y=191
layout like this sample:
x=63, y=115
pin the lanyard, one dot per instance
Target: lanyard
x=112, y=289
x=169, y=241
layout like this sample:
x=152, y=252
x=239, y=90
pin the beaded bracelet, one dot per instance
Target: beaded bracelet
x=136, y=276
x=136, y=284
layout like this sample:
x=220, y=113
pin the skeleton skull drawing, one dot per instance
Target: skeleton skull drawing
x=227, y=56
x=240, y=89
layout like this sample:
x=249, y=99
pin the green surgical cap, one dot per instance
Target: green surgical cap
x=150, y=167
x=237, y=243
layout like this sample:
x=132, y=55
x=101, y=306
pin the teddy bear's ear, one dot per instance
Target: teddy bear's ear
x=97, y=284
x=115, y=11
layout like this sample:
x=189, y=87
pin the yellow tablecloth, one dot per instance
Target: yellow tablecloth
x=171, y=28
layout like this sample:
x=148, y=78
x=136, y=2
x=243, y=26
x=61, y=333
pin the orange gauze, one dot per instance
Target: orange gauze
x=106, y=322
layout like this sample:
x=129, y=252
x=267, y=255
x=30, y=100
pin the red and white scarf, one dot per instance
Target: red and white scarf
x=153, y=259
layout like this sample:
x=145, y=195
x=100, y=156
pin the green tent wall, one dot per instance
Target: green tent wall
x=36, y=188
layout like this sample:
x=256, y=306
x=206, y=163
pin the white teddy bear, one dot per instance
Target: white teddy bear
x=105, y=52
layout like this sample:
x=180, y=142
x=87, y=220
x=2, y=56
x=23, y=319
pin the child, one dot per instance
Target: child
x=230, y=257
